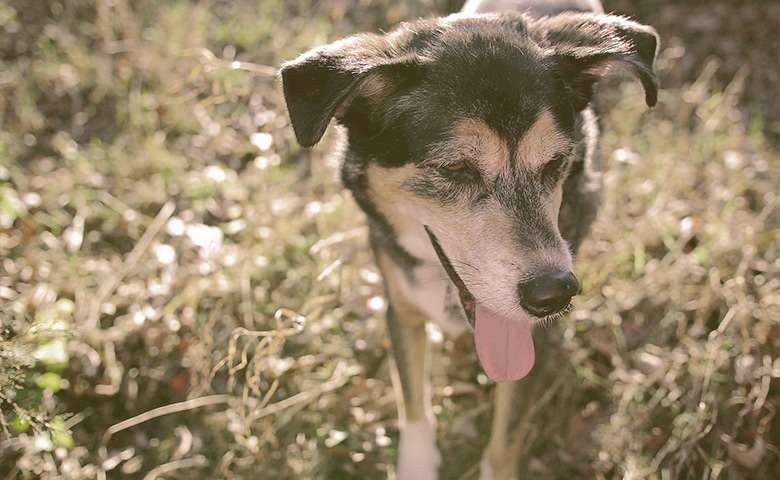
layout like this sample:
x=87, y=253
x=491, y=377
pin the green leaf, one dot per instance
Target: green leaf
x=60, y=435
x=50, y=381
x=20, y=424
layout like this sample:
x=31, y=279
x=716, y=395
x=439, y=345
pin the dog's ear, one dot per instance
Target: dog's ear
x=585, y=46
x=327, y=81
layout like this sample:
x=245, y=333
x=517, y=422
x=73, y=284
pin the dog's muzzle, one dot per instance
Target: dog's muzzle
x=505, y=344
x=466, y=298
x=547, y=293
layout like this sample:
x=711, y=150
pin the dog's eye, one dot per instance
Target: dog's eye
x=459, y=172
x=554, y=169
x=455, y=167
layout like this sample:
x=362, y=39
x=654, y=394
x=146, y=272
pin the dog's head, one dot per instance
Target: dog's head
x=460, y=133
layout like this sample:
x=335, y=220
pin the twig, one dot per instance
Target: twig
x=140, y=248
x=208, y=57
x=196, y=461
x=159, y=412
x=337, y=238
x=341, y=375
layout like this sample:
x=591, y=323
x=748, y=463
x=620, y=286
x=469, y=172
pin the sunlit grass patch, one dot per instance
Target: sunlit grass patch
x=185, y=291
x=683, y=307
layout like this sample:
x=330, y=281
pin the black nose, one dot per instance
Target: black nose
x=548, y=293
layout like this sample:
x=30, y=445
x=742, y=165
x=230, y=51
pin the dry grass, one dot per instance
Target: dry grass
x=187, y=293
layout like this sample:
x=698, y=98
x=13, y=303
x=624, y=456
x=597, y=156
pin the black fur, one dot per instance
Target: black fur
x=559, y=57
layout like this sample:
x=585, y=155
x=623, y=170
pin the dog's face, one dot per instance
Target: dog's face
x=460, y=133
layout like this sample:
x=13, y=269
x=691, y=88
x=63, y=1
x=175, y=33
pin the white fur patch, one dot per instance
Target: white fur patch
x=485, y=472
x=430, y=294
x=418, y=457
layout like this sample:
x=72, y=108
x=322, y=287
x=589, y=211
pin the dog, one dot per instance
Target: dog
x=470, y=142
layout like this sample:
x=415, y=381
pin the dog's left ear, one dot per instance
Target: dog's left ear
x=586, y=46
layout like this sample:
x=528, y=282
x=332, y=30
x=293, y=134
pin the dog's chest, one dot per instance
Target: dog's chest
x=432, y=292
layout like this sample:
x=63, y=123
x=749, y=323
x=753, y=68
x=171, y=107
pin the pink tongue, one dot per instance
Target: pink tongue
x=505, y=347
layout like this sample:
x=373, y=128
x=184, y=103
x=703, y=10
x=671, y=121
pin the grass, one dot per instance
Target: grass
x=185, y=292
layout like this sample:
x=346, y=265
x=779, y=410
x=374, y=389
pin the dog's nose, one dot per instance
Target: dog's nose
x=548, y=293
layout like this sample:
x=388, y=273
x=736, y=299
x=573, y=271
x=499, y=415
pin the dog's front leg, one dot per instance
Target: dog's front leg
x=500, y=461
x=512, y=412
x=418, y=456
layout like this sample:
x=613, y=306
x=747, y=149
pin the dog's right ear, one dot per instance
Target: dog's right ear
x=326, y=82
x=586, y=45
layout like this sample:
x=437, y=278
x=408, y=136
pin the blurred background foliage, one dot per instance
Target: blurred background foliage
x=185, y=292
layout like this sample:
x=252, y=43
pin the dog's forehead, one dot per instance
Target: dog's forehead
x=476, y=141
x=479, y=68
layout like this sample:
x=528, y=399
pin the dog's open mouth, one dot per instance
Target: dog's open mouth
x=504, y=345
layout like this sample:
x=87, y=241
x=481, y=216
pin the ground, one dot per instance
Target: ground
x=185, y=292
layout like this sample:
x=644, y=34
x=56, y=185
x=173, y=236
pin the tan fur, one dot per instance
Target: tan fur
x=414, y=399
x=408, y=313
x=374, y=87
x=476, y=142
x=386, y=189
x=541, y=143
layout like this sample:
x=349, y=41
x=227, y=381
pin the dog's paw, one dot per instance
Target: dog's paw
x=486, y=473
x=418, y=457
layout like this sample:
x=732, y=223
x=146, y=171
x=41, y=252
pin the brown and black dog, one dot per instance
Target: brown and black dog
x=470, y=142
